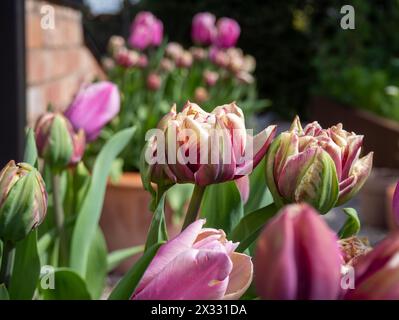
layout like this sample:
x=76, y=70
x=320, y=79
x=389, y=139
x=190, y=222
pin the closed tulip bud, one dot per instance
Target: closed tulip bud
x=318, y=166
x=249, y=63
x=210, y=77
x=126, y=58
x=93, y=107
x=57, y=142
x=227, y=33
x=199, y=263
x=245, y=77
x=143, y=61
x=153, y=81
x=203, y=28
x=185, y=60
x=107, y=63
x=166, y=65
x=297, y=257
x=219, y=57
x=201, y=95
x=198, y=53
x=198, y=147
x=115, y=43
x=23, y=202
x=173, y=50
x=377, y=272
x=145, y=31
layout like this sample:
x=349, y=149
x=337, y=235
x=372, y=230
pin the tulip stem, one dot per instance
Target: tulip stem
x=7, y=260
x=194, y=206
x=59, y=214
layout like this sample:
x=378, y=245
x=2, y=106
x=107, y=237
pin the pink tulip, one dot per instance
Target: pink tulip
x=146, y=31
x=377, y=272
x=395, y=204
x=216, y=146
x=318, y=166
x=153, y=81
x=199, y=263
x=203, y=28
x=297, y=257
x=93, y=107
x=227, y=34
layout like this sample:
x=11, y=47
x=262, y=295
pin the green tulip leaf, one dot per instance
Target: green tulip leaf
x=222, y=206
x=3, y=292
x=118, y=256
x=157, y=232
x=126, y=286
x=26, y=269
x=63, y=284
x=97, y=265
x=351, y=226
x=89, y=215
x=30, y=153
x=259, y=195
x=249, y=228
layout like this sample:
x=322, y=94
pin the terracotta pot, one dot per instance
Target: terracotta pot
x=373, y=203
x=392, y=224
x=126, y=217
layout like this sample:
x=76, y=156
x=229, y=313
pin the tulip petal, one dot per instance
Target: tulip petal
x=275, y=263
x=395, y=204
x=243, y=187
x=240, y=277
x=171, y=250
x=194, y=274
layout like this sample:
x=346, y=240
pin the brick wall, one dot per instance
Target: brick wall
x=57, y=60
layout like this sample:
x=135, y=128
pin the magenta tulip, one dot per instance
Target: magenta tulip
x=298, y=257
x=377, y=272
x=199, y=263
x=395, y=204
x=146, y=31
x=204, y=148
x=203, y=28
x=93, y=107
x=227, y=34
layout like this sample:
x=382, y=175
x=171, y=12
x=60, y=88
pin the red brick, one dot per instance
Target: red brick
x=34, y=37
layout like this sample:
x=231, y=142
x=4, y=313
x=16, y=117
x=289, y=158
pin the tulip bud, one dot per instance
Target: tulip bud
x=107, y=63
x=126, y=58
x=210, y=77
x=318, y=166
x=143, y=61
x=201, y=95
x=185, y=60
x=203, y=28
x=198, y=53
x=145, y=31
x=377, y=272
x=173, y=50
x=57, y=142
x=115, y=43
x=245, y=77
x=23, y=202
x=297, y=257
x=219, y=57
x=249, y=63
x=153, y=81
x=166, y=65
x=93, y=107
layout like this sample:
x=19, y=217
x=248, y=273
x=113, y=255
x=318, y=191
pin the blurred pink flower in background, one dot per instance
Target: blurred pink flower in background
x=228, y=32
x=93, y=107
x=199, y=263
x=203, y=28
x=145, y=31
